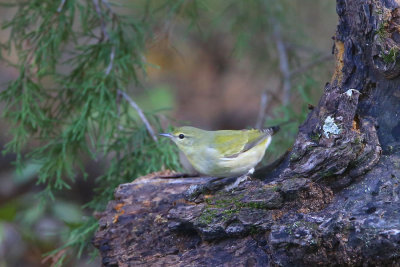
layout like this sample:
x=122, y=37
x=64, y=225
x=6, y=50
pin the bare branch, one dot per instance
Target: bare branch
x=104, y=31
x=261, y=111
x=141, y=114
x=118, y=100
x=311, y=64
x=102, y=22
x=283, y=64
x=60, y=7
x=107, y=4
x=311, y=50
x=110, y=65
x=155, y=180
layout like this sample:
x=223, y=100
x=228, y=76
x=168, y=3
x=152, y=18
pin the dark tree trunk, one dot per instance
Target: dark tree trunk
x=333, y=200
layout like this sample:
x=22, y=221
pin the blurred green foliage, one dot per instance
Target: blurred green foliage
x=291, y=116
x=66, y=107
x=8, y=211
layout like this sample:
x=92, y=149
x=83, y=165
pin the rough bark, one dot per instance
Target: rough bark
x=333, y=200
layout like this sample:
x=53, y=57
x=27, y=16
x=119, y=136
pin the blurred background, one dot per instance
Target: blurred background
x=215, y=65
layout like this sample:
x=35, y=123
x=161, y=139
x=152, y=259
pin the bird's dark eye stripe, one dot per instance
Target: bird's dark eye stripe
x=181, y=136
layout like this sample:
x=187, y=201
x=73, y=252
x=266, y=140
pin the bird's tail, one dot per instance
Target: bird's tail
x=271, y=130
x=274, y=129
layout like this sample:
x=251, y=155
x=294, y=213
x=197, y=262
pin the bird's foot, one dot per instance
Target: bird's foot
x=238, y=181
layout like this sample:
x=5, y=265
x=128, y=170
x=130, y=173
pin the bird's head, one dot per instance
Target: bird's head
x=187, y=138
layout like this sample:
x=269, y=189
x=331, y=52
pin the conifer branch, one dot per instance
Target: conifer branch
x=141, y=114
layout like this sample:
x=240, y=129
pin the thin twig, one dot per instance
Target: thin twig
x=54, y=258
x=118, y=100
x=110, y=65
x=60, y=7
x=104, y=32
x=310, y=65
x=311, y=50
x=107, y=4
x=261, y=111
x=283, y=64
x=102, y=22
x=141, y=114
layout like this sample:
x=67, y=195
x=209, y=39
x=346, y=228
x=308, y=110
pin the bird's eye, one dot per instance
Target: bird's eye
x=181, y=136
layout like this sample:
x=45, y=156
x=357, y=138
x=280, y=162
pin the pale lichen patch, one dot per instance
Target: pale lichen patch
x=330, y=127
x=349, y=92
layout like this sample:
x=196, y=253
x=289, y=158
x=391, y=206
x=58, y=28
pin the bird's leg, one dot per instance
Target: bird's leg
x=215, y=184
x=251, y=171
x=239, y=180
x=229, y=182
x=235, y=180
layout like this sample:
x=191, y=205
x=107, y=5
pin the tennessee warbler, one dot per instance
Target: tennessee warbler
x=225, y=153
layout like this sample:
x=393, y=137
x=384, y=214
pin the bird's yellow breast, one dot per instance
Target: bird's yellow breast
x=210, y=162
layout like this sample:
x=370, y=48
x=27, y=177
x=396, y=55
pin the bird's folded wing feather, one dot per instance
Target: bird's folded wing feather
x=231, y=144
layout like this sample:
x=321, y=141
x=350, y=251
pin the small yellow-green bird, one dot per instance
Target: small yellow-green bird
x=225, y=153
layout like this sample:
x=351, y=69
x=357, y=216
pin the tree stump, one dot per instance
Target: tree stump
x=333, y=200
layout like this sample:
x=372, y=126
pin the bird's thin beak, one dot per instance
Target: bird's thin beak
x=166, y=134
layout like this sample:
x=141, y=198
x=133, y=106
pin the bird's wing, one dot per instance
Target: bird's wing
x=231, y=143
